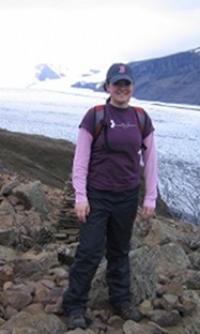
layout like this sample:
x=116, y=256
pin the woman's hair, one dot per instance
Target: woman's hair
x=104, y=86
x=108, y=99
x=105, y=89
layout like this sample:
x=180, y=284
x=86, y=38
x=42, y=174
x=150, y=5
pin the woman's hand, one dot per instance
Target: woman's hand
x=82, y=210
x=148, y=212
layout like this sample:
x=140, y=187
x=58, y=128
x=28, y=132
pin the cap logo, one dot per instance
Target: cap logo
x=122, y=69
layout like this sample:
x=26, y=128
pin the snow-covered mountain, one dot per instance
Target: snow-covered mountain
x=45, y=72
x=59, y=78
x=173, y=78
x=48, y=76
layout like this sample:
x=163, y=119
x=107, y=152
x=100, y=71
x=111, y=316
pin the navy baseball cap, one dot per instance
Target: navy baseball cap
x=118, y=72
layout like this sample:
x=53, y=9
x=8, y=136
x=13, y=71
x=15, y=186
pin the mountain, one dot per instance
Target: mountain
x=45, y=72
x=173, y=78
x=40, y=157
x=43, y=158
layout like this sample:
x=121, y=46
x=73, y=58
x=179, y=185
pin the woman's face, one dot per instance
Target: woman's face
x=120, y=93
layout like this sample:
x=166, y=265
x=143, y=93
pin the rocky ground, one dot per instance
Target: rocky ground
x=38, y=239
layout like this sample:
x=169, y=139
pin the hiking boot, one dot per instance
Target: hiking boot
x=76, y=319
x=127, y=312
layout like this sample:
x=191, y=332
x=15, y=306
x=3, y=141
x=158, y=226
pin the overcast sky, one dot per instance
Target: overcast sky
x=94, y=33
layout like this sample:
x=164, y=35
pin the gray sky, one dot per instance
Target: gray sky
x=170, y=5
x=94, y=33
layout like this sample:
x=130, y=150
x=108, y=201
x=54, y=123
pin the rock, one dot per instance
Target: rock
x=3, y=331
x=189, y=302
x=55, y=308
x=188, y=325
x=48, y=283
x=143, y=274
x=98, y=325
x=32, y=230
x=26, y=330
x=32, y=195
x=7, y=255
x=166, y=318
x=6, y=208
x=164, y=263
x=66, y=255
x=163, y=279
x=112, y=330
x=160, y=289
x=34, y=308
x=10, y=312
x=30, y=264
x=176, y=285
x=8, y=236
x=103, y=314
x=195, y=260
x=41, y=323
x=192, y=279
x=171, y=258
x=145, y=307
x=131, y=327
x=7, y=285
x=162, y=233
x=17, y=297
x=153, y=328
x=80, y=331
x=6, y=221
x=59, y=274
x=40, y=293
x=170, y=301
x=8, y=187
x=6, y=274
x=43, y=235
x=60, y=236
x=115, y=321
x=99, y=290
x=54, y=295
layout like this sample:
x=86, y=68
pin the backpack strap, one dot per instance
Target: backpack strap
x=100, y=124
x=99, y=120
x=140, y=115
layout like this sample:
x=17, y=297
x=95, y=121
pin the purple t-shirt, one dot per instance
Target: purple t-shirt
x=116, y=169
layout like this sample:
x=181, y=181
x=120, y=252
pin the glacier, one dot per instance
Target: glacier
x=57, y=113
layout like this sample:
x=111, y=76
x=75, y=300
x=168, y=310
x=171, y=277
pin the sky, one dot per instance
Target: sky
x=93, y=33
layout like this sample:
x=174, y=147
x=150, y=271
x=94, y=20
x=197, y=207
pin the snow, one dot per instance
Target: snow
x=197, y=50
x=55, y=109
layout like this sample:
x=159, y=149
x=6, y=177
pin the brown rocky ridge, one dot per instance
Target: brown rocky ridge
x=38, y=239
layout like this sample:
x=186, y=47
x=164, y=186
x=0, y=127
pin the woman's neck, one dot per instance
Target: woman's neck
x=119, y=105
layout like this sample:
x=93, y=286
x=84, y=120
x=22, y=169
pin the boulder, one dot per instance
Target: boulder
x=39, y=323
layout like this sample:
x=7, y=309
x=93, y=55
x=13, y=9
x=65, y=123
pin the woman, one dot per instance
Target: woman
x=106, y=182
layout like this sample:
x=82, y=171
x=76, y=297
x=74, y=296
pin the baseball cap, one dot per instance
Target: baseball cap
x=119, y=71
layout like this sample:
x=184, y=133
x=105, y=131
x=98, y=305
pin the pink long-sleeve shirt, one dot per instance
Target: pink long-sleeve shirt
x=82, y=159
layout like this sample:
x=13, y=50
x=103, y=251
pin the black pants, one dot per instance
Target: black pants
x=107, y=232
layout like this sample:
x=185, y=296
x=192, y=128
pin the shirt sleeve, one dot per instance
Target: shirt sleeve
x=150, y=171
x=88, y=121
x=80, y=165
x=148, y=126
